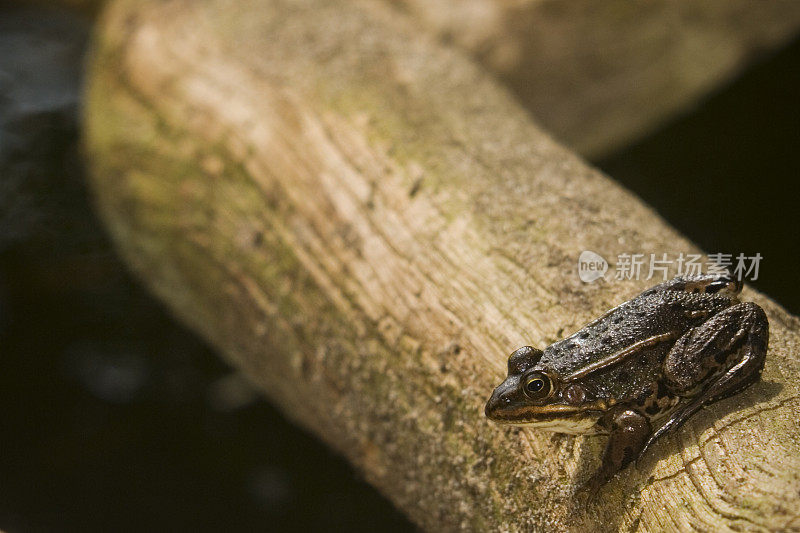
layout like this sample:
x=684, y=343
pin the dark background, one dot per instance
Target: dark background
x=116, y=417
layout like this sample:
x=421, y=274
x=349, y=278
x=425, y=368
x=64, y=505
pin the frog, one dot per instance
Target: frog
x=639, y=371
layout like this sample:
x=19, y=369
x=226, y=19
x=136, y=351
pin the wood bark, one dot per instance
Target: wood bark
x=366, y=224
x=599, y=75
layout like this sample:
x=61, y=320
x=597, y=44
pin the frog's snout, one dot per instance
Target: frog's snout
x=491, y=405
x=498, y=401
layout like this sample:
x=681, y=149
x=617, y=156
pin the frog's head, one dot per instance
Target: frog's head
x=533, y=395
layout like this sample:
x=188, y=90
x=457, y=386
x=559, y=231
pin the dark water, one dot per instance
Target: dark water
x=727, y=173
x=114, y=417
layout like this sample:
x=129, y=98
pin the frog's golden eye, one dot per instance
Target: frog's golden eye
x=537, y=386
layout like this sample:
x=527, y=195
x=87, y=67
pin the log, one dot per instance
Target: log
x=600, y=75
x=366, y=224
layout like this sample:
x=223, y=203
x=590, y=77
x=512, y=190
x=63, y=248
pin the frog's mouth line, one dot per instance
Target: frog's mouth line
x=577, y=419
x=573, y=420
x=544, y=412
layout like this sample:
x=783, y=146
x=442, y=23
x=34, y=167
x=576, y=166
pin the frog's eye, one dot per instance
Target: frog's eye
x=537, y=386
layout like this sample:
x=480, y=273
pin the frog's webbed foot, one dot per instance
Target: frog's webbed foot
x=629, y=431
x=733, y=343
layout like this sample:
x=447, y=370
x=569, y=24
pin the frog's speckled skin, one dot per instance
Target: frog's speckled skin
x=662, y=355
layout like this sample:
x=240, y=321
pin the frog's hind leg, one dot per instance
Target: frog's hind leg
x=725, y=354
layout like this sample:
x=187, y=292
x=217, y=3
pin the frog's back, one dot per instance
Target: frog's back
x=636, y=336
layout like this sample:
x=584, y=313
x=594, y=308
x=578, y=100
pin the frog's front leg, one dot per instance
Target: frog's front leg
x=629, y=430
x=719, y=358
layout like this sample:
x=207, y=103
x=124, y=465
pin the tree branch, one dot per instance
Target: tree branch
x=599, y=75
x=366, y=224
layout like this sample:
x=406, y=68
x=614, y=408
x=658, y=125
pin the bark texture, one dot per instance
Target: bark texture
x=599, y=75
x=366, y=224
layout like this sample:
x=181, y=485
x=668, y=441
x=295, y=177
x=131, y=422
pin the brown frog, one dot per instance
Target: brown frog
x=640, y=370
